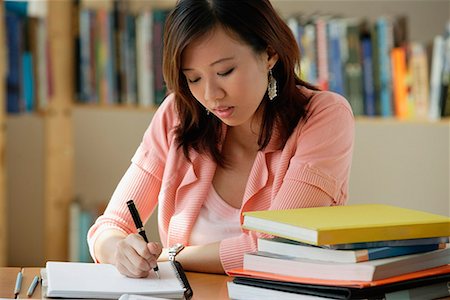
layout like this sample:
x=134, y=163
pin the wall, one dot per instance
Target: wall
x=105, y=140
x=402, y=163
x=24, y=179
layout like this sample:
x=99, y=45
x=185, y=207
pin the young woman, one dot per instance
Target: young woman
x=239, y=131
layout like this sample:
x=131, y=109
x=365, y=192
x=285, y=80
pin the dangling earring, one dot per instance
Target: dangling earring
x=272, y=87
x=207, y=112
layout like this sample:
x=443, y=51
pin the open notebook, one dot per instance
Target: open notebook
x=103, y=281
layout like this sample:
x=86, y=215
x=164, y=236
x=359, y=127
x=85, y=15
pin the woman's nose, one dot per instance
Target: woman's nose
x=213, y=91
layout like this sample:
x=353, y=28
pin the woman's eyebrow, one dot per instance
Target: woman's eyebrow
x=213, y=63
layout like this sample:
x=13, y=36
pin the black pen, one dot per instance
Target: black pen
x=140, y=228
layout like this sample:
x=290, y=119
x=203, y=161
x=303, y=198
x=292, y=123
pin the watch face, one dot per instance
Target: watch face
x=174, y=250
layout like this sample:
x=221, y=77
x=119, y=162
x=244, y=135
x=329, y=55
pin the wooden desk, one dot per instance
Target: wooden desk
x=205, y=286
x=8, y=281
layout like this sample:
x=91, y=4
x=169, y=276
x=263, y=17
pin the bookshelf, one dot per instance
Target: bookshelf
x=76, y=145
x=39, y=156
x=3, y=204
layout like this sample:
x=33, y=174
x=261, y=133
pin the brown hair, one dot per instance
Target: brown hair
x=257, y=24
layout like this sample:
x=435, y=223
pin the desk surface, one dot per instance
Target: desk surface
x=205, y=286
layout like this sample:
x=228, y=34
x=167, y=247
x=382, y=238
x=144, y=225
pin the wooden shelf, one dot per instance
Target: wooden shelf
x=58, y=130
x=3, y=204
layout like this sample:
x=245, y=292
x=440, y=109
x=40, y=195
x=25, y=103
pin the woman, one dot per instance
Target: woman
x=238, y=132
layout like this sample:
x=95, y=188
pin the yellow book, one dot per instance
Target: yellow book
x=348, y=224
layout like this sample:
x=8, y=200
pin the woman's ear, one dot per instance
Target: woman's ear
x=272, y=57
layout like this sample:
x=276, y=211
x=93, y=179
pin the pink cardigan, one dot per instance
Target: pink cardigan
x=311, y=170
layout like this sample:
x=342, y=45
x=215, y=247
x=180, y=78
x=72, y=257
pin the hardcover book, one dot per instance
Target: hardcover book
x=364, y=271
x=302, y=250
x=348, y=224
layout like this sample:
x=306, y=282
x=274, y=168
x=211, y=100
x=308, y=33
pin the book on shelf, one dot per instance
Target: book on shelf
x=362, y=271
x=14, y=40
x=445, y=84
x=120, y=57
x=420, y=91
x=348, y=224
x=336, y=38
x=103, y=281
x=301, y=250
x=384, y=44
x=367, y=60
x=399, y=84
x=353, y=70
x=81, y=218
x=28, y=60
x=437, y=64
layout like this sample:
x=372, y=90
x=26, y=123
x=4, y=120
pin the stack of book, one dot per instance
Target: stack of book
x=369, y=251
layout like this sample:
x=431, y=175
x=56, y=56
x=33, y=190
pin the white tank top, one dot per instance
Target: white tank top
x=216, y=221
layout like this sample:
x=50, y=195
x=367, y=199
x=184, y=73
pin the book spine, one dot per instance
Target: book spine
x=28, y=82
x=418, y=65
x=384, y=48
x=335, y=75
x=322, y=53
x=398, y=58
x=14, y=41
x=435, y=77
x=159, y=17
x=353, y=68
x=368, y=82
x=85, y=56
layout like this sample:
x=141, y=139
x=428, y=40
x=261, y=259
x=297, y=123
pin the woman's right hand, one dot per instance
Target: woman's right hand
x=134, y=257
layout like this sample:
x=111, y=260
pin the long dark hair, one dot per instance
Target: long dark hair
x=256, y=23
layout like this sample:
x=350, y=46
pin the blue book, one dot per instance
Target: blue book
x=335, y=69
x=296, y=249
x=390, y=243
x=86, y=221
x=384, y=40
x=18, y=7
x=14, y=41
x=28, y=82
x=368, y=84
x=86, y=59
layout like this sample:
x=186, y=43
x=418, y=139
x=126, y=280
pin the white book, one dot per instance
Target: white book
x=363, y=271
x=437, y=63
x=246, y=292
x=74, y=231
x=103, y=281
x=144, y=54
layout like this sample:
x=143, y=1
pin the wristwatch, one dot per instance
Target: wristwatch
x=174, y=250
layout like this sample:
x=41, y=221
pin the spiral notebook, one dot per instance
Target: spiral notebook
x=103, y=281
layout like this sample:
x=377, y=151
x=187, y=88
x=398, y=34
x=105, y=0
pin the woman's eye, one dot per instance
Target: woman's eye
x=226, y=73
x=193, y=80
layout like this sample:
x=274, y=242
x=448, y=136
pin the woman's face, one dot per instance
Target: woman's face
x=226, y=76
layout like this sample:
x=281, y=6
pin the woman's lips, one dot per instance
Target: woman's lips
x=224, y=111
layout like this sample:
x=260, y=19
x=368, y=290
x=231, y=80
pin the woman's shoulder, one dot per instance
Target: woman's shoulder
x=322, y=100
x=166, y=111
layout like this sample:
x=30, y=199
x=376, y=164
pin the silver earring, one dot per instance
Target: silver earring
x=207, y=112
x=272, y=87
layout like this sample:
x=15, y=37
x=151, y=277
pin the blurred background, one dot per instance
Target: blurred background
x=82, y=80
